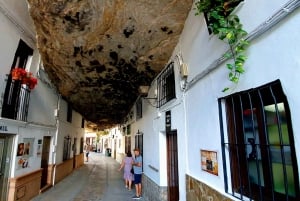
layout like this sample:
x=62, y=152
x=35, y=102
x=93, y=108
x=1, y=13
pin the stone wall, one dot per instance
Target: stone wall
x=153, y=192
x=198, y=191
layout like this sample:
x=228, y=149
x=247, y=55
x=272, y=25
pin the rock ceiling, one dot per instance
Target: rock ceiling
x=98, y=52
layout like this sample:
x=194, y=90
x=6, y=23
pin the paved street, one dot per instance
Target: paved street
x=98, y=180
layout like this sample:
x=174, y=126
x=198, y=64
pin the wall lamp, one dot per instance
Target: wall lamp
x=143, y=91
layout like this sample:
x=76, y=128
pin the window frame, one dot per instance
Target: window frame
x=166, y=85
x=240, y=183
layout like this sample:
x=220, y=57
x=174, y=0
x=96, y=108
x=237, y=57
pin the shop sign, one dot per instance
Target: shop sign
x=168, y=121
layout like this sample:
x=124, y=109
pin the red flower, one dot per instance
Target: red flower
x=32, y=81
x=24, y=76
x=18, y=73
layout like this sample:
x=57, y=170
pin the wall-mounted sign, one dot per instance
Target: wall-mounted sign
x=3, y=128
x=209, y=162
x=168, y=121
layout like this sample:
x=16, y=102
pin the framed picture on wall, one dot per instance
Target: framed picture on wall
x=209, y=162
x=28, y=146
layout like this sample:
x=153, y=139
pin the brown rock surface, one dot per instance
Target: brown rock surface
x=98, y=52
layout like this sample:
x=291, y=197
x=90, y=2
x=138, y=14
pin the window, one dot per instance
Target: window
x=82, y=123
x=138, y=107
x=128, y=129
x=17, y=96
x=67, y=148
x=259, y=152
x=166, y=85
x=69, y=113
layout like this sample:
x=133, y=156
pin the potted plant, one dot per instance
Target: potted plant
x=18, y=73
x=25, y=77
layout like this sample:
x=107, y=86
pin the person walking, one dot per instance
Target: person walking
x=127, y=165
x=137, y=168
x=87, y=151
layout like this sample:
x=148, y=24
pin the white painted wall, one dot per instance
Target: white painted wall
x=272, y=56
x=195, y=114
x=67, y=129
x=15, y=24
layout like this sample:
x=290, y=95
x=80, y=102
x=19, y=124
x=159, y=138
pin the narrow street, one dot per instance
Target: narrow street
x=98, y=180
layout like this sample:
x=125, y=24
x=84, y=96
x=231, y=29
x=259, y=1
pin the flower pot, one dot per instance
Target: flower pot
x=15, y=75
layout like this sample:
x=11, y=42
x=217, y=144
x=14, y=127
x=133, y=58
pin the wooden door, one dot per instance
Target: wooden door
x=45, y=160
x=172, y=166
x=74, y=148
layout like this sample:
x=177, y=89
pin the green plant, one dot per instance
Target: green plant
x=228, y=28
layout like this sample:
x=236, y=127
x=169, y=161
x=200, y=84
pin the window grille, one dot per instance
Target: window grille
x=166, y=85
x=67, y=148
x=17, y=96
x=139, y=110
x=259, y=153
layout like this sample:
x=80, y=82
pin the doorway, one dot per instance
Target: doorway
x=5, y=159
x=45, y=160
x=74, y=148
x=172, y=166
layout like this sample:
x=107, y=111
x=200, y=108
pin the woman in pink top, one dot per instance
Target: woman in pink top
x=127, y=164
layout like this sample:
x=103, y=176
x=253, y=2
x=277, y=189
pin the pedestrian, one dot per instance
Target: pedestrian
x=87, y=152
x=127, y=165
x=137, y=168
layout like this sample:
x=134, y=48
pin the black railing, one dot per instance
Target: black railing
x=16, y=101
x=259, y=151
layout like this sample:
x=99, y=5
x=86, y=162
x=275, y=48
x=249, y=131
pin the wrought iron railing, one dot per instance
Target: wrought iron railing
x=16, y=101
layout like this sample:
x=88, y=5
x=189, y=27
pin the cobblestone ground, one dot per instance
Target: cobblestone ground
x=98, y=180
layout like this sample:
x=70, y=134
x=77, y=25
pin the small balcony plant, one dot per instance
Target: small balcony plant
x=25, y=77
x=18, y=73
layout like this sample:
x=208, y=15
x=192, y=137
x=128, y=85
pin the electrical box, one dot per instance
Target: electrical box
x=184, y=70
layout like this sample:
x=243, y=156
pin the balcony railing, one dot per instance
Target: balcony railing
x=16, y=101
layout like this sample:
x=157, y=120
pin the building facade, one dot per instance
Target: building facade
x=41, y=137
x=200, y=143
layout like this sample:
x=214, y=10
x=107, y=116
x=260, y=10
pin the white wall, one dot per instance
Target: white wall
x=15, y=24
x=65, y=129
x=272, y=56
x=195, y=115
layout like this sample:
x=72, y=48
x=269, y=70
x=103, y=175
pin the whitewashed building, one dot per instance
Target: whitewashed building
x=200, y=143
x=41, y=137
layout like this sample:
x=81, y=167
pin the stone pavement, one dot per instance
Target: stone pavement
x=97, y=180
